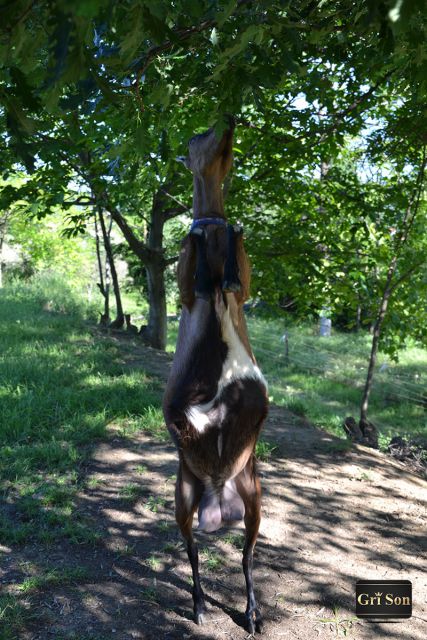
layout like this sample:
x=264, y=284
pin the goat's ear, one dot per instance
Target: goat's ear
x=185, y=161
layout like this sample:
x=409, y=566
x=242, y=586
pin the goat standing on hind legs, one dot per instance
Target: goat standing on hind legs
x=216, y=397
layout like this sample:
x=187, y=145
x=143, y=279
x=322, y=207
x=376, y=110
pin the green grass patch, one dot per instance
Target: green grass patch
x=51, y=577
x=153, y=562
x=264, y=450
x=150, y=421
x=323, y=378
x=154, y=503
x=14, y=614
x=211, y=560
x=132, y=492
x=61, y=387
x=236, y=540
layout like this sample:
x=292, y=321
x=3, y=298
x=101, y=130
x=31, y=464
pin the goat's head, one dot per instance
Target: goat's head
x=213, y=258
x=209, y=156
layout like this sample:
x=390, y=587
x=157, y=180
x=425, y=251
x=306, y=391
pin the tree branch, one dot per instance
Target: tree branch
x=137, y=246
x=79, y=201
x=406, y=275
x=179, y=202
x=172, y=260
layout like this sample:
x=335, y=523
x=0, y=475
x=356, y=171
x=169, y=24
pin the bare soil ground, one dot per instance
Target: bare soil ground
x=331, y=515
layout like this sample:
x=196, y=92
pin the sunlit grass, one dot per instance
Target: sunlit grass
x=323, y=378
x=61, y=387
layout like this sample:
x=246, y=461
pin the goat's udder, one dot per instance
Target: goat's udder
x=217, y=510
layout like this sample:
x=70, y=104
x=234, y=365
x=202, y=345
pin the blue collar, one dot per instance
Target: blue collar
x=202, y=221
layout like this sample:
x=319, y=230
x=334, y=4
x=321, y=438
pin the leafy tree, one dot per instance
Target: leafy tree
x=103, y=95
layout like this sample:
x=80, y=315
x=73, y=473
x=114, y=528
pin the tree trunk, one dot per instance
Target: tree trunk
x=151, y=254
x=106, y=316
x=104, y=282
x=375, y=341
x=120, y=318
x=369, y=431
x=156, y=331
x=3, y=227
x=325, y=324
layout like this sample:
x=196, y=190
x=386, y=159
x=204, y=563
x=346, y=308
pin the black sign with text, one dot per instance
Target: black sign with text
x=384, y=599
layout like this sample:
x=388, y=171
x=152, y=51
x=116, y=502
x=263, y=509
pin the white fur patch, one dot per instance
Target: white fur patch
x=237, y=366
x=198, y=415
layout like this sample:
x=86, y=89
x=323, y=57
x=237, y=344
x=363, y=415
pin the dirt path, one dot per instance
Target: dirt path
x=330, y=517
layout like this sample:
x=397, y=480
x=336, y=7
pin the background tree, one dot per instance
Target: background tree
x=107, y=107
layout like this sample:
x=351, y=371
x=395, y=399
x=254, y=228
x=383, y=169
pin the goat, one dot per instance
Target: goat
x=216, y=397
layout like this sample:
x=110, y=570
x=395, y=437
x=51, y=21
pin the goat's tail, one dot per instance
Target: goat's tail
x=220, y=507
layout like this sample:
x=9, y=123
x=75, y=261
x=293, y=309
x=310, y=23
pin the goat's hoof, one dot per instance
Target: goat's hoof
x=200, y=618
x=231, y=287
x=200, y=614
x=254, y=622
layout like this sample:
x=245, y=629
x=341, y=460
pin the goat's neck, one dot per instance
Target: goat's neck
x=207, y=196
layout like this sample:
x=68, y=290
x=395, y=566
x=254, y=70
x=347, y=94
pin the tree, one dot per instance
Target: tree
x=110, y=105
x=397, y=273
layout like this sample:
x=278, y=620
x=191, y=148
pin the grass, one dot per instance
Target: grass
x=340, y=625
x=61, y=388
x=132, y=492
x=264, y=450
x=141, y=469
x=13, y=615
x=150, y=420
x=236, y=540
x=323, y=378
x=149, y=594
x=211, y=560
x=52, y=577
x=154, y=503
x=16, y=610
x=153, y=563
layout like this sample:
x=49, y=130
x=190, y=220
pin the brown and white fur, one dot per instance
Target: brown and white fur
x=216, y=398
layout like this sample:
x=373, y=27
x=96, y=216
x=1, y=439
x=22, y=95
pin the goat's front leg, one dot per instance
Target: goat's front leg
x=203, y=283
x=231, y=282
x=188, y=492
x=249, y=488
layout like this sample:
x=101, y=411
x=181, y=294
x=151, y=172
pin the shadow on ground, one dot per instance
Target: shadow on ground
x=331, y=515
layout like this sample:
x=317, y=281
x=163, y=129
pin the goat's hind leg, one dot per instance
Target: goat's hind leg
x=249, y=488
x=188, y=492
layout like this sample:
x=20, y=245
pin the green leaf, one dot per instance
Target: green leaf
x=242, y=42
x=161, y=94
x=225, y=12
